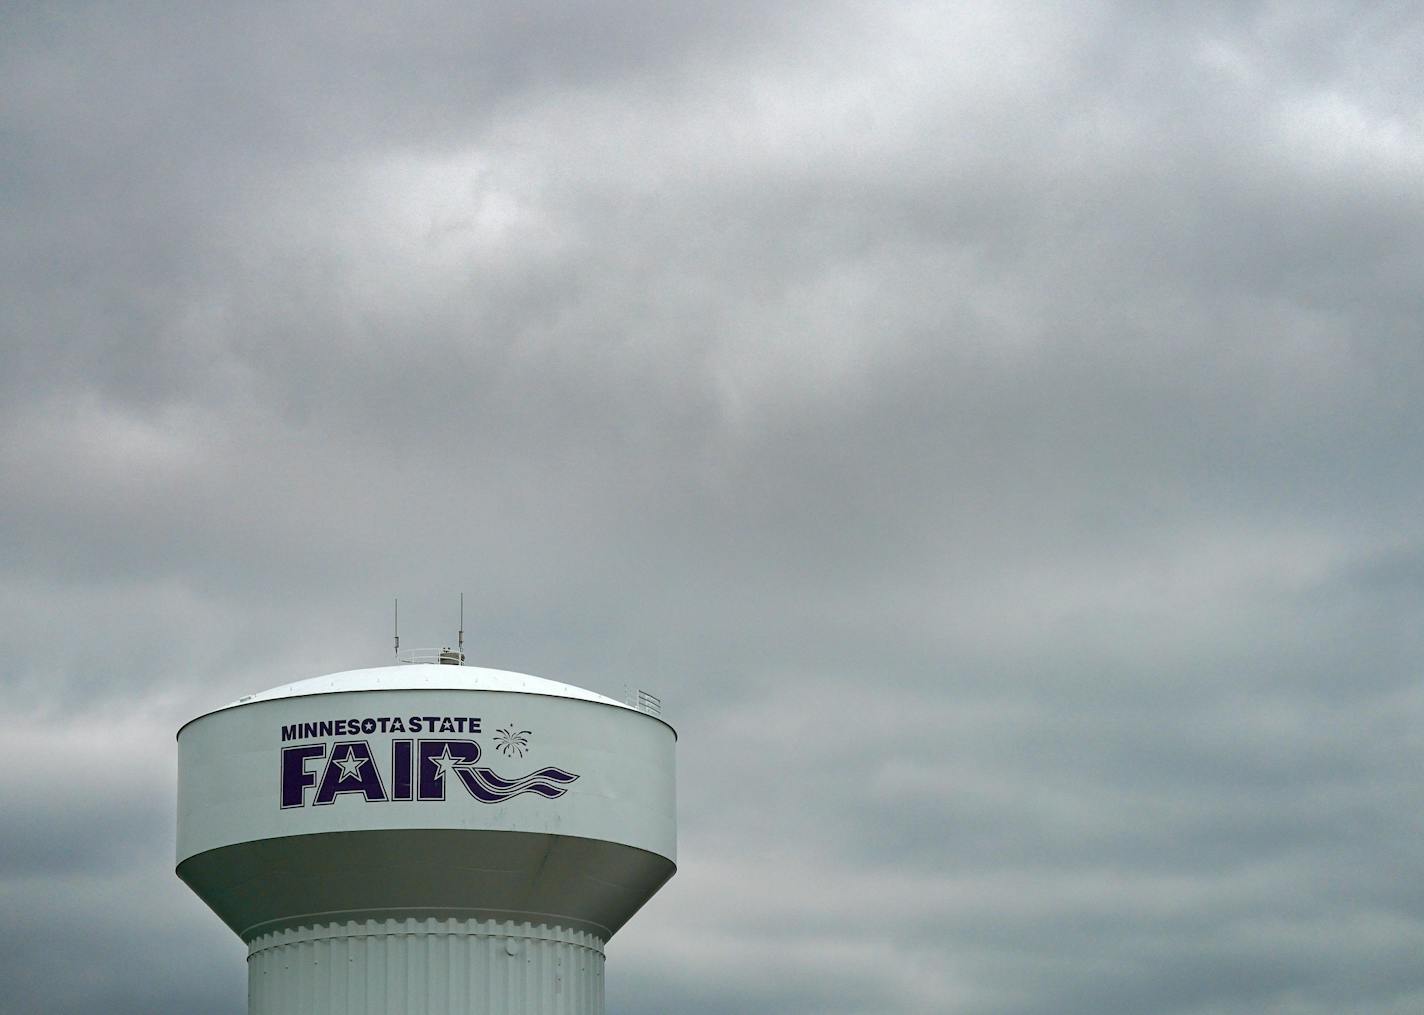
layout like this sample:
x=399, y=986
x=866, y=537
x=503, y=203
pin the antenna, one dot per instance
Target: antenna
x=398, y=625
x=462, y=625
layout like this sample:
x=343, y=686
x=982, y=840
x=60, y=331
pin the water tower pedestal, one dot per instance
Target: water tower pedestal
x=426, y=839
x=427, y=965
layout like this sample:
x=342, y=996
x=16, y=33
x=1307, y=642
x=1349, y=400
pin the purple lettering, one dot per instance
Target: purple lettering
x=401, y=769
x=350, y=769
x=296, y=780
x=439, y=759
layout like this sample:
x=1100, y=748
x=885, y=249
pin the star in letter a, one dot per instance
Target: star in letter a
x=350, y=765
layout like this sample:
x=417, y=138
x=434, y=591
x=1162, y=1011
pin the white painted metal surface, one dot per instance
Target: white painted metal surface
x=413, y=967
x=413, y=818
x=229, y=764
x=430, y=676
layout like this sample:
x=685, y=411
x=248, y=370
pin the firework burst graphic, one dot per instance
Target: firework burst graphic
x=512, y=743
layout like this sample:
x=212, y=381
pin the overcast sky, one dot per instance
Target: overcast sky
x=994, y=430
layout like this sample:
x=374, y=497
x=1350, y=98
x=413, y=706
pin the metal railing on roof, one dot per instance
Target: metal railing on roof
x=446, y=656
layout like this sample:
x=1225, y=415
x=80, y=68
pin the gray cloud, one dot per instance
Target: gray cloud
x=991, y=430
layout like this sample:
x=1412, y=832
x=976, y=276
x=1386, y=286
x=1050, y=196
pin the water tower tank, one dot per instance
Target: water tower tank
x=426, y=839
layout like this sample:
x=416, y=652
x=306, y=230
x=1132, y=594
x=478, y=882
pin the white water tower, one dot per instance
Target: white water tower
x=426, y=839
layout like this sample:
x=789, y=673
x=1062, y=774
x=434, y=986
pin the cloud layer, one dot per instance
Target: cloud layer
x=993, y=432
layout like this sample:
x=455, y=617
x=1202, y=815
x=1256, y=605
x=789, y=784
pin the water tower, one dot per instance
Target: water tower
x=426, y=839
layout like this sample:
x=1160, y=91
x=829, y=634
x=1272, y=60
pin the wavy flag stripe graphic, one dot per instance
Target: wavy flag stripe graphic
x=484, y=785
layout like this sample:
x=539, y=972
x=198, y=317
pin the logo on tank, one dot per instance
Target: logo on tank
x=411, y=769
